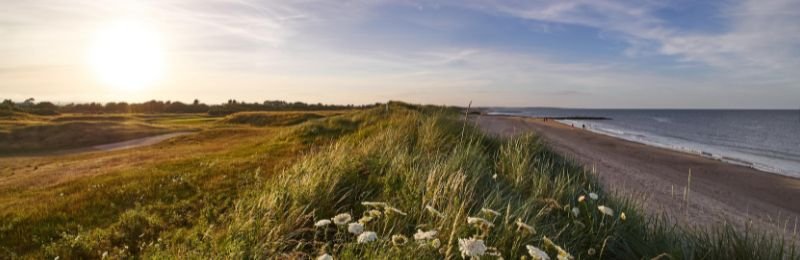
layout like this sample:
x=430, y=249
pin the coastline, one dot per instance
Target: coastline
x=764, y=164
x=703, y=153
x=658, y=178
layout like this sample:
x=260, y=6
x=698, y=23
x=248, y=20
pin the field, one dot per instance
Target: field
x=29, y=134
x=421, y=182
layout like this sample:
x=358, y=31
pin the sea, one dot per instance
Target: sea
x=768, y=140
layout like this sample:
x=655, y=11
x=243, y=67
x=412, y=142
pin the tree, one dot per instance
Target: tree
x=29, y=102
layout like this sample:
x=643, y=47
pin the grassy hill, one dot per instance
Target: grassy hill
x=276, y=118
x=418, y=182
x=31, y=134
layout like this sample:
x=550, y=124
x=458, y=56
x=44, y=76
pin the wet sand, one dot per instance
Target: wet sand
x=718, y=191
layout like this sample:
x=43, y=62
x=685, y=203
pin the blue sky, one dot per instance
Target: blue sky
x=664, y=54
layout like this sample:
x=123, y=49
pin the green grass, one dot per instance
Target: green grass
x=275, y=118
x=36, y=134
x=260, y=198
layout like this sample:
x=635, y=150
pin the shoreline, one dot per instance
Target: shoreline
x=701, y=153
x=658, y=178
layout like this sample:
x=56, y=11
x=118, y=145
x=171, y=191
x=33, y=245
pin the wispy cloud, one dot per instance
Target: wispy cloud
x=444, y=52
x=762, y=38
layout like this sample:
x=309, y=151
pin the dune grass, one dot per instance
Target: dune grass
x=418, y=177
x=139, y=195
x=415, y=159
x=282, y=118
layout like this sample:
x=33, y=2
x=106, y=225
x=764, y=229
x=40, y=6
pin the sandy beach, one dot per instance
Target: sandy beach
x=718, y=191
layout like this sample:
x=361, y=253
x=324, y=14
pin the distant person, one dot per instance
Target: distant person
x=583, y=126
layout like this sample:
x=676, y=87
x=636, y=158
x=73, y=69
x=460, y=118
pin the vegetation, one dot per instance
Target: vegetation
x=274, y=118
x=25, y=133
x=417, y=182
x=8, y=107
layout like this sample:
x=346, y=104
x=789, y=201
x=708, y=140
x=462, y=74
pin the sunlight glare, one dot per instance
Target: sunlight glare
x=127, y=55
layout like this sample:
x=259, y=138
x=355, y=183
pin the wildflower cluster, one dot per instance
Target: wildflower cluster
x=360, y=233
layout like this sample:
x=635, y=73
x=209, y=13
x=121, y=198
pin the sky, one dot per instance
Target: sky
x=593, y=53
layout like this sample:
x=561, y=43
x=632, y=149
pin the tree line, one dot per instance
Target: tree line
x=30, y=106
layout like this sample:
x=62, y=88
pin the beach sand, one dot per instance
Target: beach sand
x=719, y=192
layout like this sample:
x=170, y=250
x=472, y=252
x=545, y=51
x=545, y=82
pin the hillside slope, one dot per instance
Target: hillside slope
x=416, y=182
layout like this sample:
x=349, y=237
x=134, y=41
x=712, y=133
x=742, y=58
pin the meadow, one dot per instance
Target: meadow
x=390, y=182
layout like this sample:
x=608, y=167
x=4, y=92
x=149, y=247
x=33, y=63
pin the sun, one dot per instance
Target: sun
x=127, y=55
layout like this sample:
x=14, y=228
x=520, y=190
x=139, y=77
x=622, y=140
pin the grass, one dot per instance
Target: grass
x=276, y=118
x=260, y=194
x=36, y=134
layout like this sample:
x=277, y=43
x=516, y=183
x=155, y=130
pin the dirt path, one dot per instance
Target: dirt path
x=719, y=192
x=43, y=170
x=151, y=140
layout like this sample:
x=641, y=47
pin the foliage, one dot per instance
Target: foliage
x=157, y=106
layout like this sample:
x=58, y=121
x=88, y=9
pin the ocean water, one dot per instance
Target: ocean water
x=767, y=140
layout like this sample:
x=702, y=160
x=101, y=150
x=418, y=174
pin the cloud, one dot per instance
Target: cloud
x=367, y=51
x=762, y=39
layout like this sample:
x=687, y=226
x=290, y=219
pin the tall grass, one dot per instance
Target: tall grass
x=412, y=158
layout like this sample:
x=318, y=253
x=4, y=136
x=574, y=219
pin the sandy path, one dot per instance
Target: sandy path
x=719, y=192
x=51, y=169
x=151, y=140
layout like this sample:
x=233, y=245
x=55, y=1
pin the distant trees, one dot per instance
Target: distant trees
x=157, y=106
x=233, y=106
x=28, y=106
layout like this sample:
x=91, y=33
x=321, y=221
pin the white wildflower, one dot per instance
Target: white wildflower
x=622, y=216
x=322, y=223
x=436, y=243
x=490, y=212
x=342, y=219
x=399, y=240
x=325, y=257
x=425, y=235
x=523, y=225
x=434, y=211
x=355, y=228
x=593, y=195
x=581, y=198
x=479, y=221
x=374, y=204
x=367, y=237
x=494, y=176
x=536, y=253
x=471, y=247
x=606, y=210
x=576, y=211
x=388, y=209
x=591, y=252
x=105, y=254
